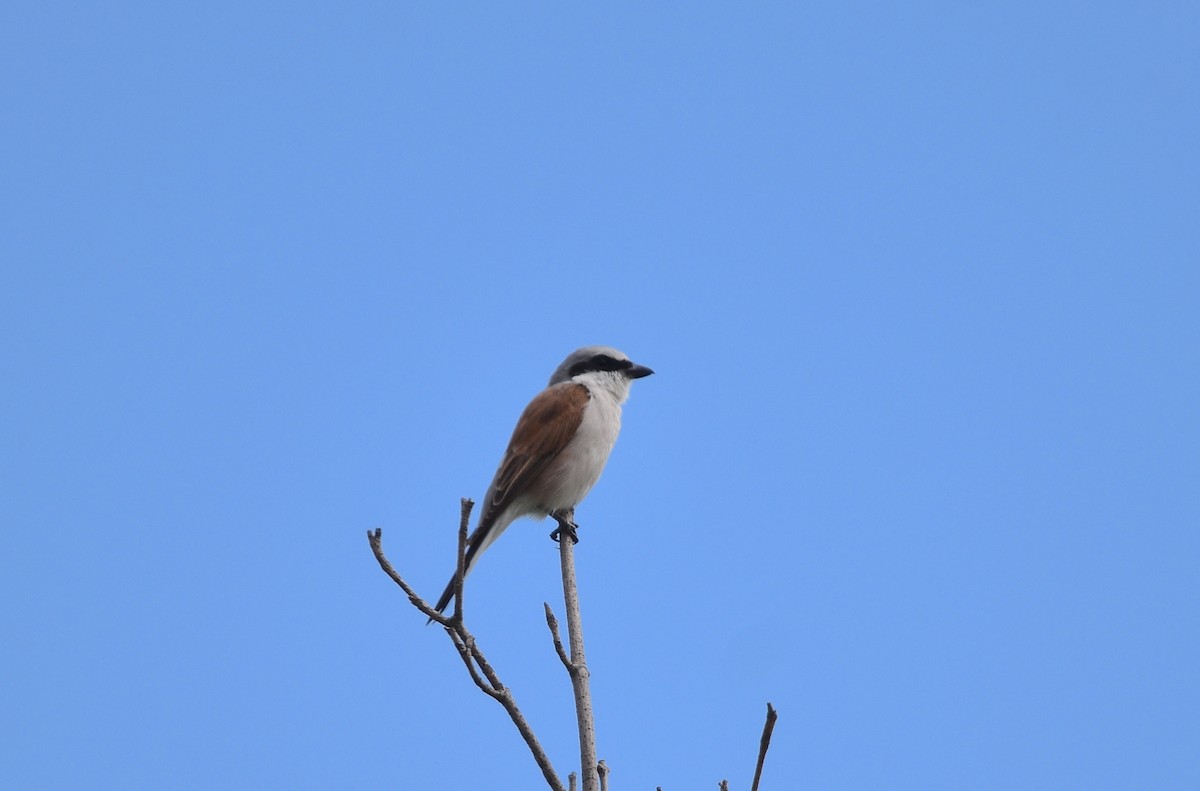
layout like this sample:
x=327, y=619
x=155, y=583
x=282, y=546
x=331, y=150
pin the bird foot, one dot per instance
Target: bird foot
x=565, y=525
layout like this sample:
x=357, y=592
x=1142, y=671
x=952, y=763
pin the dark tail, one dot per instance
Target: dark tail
x=473, y=544
x=444, y=600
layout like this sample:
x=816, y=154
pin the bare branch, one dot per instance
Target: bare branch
x=552, y=622
x=481, y=660
x=763, y=744
x=375, y=537
x=724, y=785
x=602, y=770
x=460, y=569
x=571, y=778
x=465, y=653
x=481, y=671
x=578, y=664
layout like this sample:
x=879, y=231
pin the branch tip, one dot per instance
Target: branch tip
x=764, y=743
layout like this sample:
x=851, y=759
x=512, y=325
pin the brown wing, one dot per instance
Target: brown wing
x=545, y=428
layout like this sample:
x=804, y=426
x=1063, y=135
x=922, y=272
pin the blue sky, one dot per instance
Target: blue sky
x=919, y=464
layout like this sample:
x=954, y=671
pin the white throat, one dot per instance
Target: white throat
x=611, y=383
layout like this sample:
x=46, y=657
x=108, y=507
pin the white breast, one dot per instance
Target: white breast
x=577, y=468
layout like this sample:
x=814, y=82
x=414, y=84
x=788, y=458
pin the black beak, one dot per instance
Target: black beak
x=637, y=371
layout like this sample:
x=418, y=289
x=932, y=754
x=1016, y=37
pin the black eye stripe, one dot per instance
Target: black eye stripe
x=599, y=362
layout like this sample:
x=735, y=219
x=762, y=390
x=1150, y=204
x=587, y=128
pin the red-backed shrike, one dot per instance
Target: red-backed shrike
x=559, y=447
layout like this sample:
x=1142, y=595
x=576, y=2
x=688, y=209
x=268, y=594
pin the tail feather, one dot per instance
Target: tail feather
x=448, y=594
x=480, y=539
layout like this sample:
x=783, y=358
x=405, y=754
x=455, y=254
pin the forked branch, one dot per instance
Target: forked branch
x=484, y=676
x=481, y=671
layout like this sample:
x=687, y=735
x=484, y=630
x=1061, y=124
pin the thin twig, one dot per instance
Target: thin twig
x=724, y=785
x=465, y=653
x=552, y=622
x=578, y=665
x=375, y=537
x=571, y=778
x=481, y=660
x=460, y=567
x=481, y=671
x=763, y=744
x=602, y=770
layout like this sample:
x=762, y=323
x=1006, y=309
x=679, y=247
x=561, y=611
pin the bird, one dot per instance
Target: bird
x=558, y=449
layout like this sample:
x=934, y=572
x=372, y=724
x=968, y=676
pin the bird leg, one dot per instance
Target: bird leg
x=566, y=524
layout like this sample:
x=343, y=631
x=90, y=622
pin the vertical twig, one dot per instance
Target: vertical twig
x=763, y=744
x=578, y=665
x=460, y=573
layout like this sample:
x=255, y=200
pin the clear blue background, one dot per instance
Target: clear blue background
x=919, y=465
